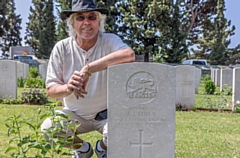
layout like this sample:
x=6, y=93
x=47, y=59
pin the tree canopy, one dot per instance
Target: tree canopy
x=170, y=30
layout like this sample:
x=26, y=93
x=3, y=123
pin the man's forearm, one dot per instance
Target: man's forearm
x=58, y=91
x=118, y=57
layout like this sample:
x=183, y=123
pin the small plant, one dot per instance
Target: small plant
x=20, y=145
x=10, y=100
x=237, y=107
x=34, y=96
x=210, y=103
x=37, y=82
x=206, y=77
x=226, y=90
x=21, y=82
x=33, y=72
x=210, y=87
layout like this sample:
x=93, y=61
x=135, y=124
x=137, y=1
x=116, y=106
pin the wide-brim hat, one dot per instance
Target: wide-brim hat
x=79, y=6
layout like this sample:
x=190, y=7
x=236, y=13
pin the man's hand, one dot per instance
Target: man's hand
x=77, y=84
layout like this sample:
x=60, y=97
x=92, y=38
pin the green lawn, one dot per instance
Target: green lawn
x=198, y=134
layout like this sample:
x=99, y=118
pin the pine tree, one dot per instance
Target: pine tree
x=61, y=26
x=12, y=27
x=220, y=54
x=196, y=23
x=40, y=31
x=172, y=43
x=32, y=29
x=3, y=10
x=47, y=37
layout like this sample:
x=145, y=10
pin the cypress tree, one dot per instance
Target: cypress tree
x=220, y=54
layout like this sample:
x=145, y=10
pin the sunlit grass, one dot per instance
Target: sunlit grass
x=198, y=134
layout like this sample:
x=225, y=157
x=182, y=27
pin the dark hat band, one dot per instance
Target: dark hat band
x=79, y=6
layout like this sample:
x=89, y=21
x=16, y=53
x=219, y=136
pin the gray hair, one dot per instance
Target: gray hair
x=72, y=32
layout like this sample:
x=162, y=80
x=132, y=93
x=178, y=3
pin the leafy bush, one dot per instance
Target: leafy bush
x=20, y=145
x=33, y=72
x=21, y=82
x=210, y=87
x=206, y=77
x=37, y=82
x=226, y=90
x=34, y=96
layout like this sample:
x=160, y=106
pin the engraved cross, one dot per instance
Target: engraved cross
x=141, y=144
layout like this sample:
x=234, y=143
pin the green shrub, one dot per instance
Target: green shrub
x=226, y=90
x=34, y=96
x=20, y=144
x=33, y=72
x=21, y=82
x=37, y=82
x=210, y=87
x=206, y=77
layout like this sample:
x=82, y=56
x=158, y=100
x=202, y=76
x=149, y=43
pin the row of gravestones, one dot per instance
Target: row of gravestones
x=11, y=71
x=187, y=80
x=141, y=105
x=230, y=77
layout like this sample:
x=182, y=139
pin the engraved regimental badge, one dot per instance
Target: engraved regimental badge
x=141, y=87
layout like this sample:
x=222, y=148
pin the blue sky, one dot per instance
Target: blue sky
x=232, y=13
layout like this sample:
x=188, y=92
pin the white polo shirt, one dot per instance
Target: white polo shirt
x=67, y=56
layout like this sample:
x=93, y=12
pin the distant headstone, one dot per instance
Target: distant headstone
x=226, y=78
x=141, y=110
x=217, y=77
x=236, y=85
x=43, y=70
x=185, y=82
x=19, y=50
x=198, y=74
x=26, y=69
x=8, y=79
x=20, y=70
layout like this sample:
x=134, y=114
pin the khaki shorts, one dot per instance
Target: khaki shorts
x=85, y=125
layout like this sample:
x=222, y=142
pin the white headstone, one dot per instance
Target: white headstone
x=217, y=77
x=141, y=110
x=43, y=70
x=19, y=50
x=198, y=73
x=185, y=82
x=26, y=69
x=226, y=78
x=8, y=79
x=236, y=85
x=20, y=69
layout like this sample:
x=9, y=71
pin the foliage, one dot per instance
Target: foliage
x=40, y=32
x=20, y=82
x=61, y=26
x=237, y=107
x=220, y=54
x=20, y=144
x=34, y=82
x=46, y=31
x=34, y=96
x=226, y=90
x=10, y=101
x=3, y=20
x=10, y=26
x=210, y=87
x=33, y=72
x=205, y=77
